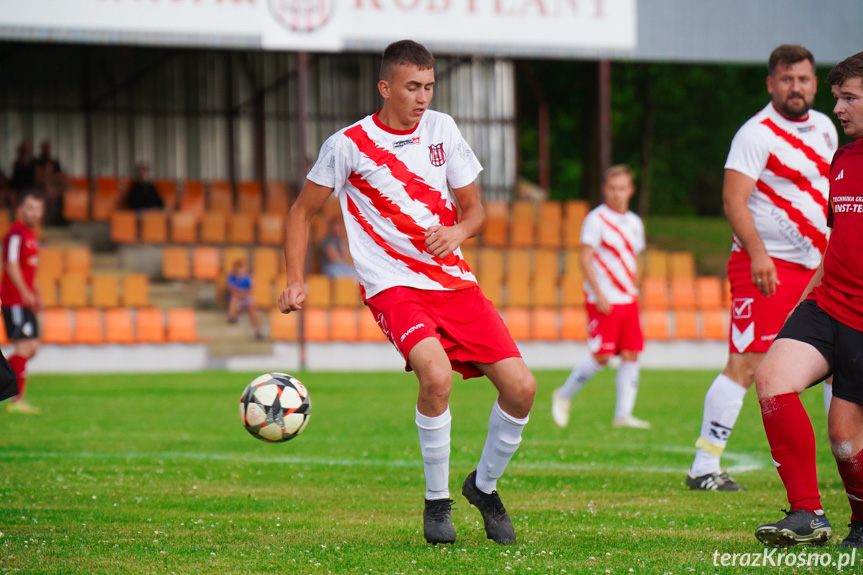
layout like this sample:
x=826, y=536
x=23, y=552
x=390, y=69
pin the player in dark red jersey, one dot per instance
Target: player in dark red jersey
x=19, y=293
x=823, y=335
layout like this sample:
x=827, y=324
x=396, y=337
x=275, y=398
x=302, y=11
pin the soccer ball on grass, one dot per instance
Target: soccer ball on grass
x=275, y=407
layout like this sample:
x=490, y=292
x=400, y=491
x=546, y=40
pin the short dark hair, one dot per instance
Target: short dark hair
x=405, y=52
x=788, y=54
x=850, y=67
x=32, y=193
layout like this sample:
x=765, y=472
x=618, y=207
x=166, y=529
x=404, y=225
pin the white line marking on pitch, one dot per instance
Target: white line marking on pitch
x=742, y=462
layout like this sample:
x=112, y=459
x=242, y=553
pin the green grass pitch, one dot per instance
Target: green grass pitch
x=149, y=473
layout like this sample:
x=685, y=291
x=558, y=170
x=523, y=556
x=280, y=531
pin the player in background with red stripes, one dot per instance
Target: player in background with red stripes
x=775, y=197
x=400, y=174
x=823, y=336
x=612, y=237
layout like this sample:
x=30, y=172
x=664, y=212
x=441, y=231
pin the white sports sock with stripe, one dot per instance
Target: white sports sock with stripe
x=722, y=405
x=434, y=435
x=504, y=437
x=626, y=383
x=580, y=374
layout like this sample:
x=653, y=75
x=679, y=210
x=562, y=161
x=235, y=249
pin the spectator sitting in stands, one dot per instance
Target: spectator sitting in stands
x=24, y=168
x=142, y=194
x=335, y=255
x=48, y=177
x=239, y=284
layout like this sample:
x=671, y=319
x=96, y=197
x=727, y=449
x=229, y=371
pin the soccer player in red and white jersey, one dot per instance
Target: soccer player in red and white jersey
x=611, y=239
x=400, y=174
x=775, y=196
x=823, y=336
x=19, y=293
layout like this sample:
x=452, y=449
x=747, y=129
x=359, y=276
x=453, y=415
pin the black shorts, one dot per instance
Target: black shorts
x=20, y=322
x=839, y=344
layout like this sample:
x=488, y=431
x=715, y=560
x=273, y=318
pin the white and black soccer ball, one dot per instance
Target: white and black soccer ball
x=275, y=407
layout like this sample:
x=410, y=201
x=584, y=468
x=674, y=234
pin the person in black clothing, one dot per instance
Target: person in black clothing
x=24, y=168
x=142, y=194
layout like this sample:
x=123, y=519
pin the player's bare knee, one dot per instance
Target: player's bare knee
x=601, y=359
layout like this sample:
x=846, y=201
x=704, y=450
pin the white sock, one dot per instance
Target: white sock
x=580, y=374
x=722, y=405
x=626, y=383
x=828, y=395
x=435, y=446
x=504, y=436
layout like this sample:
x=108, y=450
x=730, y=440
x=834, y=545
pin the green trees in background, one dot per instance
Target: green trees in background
x=672, y=123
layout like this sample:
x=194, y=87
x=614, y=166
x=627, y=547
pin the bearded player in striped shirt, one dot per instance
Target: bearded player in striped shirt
x=399, y=175
x=775, y=195
x=611, y=239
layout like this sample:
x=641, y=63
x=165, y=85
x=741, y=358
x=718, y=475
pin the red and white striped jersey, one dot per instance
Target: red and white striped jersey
x=790, y=162
x=616, y=238
x=392, y=186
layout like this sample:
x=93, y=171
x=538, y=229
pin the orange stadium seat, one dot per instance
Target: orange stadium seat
x=88, y=326
x=175, y=263
x=682, y=293
x=241, y=228
x=77, y=260
x=369, y=330
x=265, y=262
x=230, y=255
x=654, y=293
x=135, y=290
x=572, y=262
x=262, y=291
x=76, y=204
x=343, y=324
x=518, y=321
x=150, y=325
x=284, y=327
x=154, y=227
x=51, y=262
x=182, y=325
x=495, y=232
x=221, y=197
x=714, y=325
x=184, y=228
x=192, y=198
x=249, y=198
x=271, y=229
x=518, y=262
x=681, y=265
x=685, y=324
x=57, y=326
x=546, y=262
x=522, y=225
x=544, y=291
x=105, y=198
x=656, y=264
x=104, y=291
x=571, y=290
x=167, y=190
x=318, y=291
x=124, y=227
x=708, y=292
x=278, y=198
x=573, y=323
x=205, y=263
x=48, y=289
x=490, y=264
x=492, y=288
x=316, y=324
x=118, y=325
x=518, y=290
x=214, y=227
x=73, y=290
x=469, y=254
x=655, y=324
x=549, y=229
x=80, y=182
x=346, y=293
x=574, y=212
x=543, y=324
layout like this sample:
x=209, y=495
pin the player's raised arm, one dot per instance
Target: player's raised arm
x=736, y=190
x=443, y=240
x=299, y=218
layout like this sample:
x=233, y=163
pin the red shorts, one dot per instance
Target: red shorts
x=755, y=318
x=618, y=331
x=465, y=321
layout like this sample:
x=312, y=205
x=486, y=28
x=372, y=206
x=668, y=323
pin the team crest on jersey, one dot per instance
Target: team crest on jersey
x=436, y=155
x=301, y=15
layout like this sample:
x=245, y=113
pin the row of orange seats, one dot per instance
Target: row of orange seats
x=119, y=326
x=522, y=223
x=525, y=324
x=158, y=227
x=100, y=290
x=80, y=203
